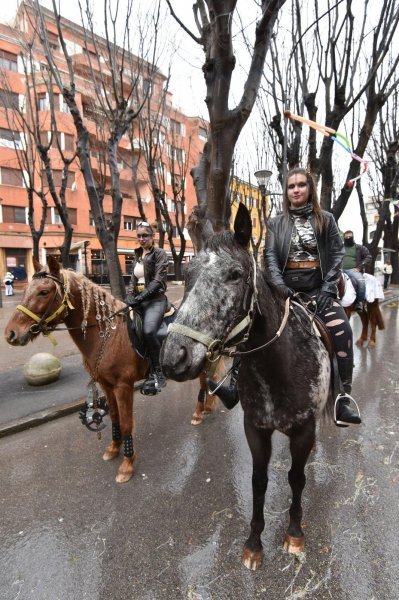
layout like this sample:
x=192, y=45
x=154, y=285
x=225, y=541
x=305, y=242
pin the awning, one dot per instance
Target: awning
x=78, y=246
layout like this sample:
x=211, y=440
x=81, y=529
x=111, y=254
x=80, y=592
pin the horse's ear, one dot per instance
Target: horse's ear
x=36, y=265
x=242, y=225
x=53, y=265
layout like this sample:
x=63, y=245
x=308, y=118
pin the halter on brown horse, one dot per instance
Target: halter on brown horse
x=57, y=296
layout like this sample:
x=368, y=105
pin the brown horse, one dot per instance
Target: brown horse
x=370, y=315
x=57, y=296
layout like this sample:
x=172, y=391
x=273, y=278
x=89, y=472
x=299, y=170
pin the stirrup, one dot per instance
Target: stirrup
x=350, y=398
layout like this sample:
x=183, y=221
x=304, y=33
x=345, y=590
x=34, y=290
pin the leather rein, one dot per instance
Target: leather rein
x=216, y=347
x=45, y=324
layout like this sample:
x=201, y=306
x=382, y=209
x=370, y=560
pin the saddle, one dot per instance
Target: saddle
x=135, y=328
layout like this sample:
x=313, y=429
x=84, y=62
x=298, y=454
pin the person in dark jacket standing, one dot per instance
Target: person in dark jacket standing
x=356, y=258
x=303, y=253
x=146, y=292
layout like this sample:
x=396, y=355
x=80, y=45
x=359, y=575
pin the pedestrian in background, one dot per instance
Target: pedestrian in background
x=8, y=283
x=387, y=270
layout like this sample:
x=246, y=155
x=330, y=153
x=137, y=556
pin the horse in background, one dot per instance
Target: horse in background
x=57, y=296
x=371, y=316
x=284, y=380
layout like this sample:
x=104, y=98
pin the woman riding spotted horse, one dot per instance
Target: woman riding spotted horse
x=303, y=253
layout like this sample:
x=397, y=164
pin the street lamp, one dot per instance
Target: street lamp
x=262, y=177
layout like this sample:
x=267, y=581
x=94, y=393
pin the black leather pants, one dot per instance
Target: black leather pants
x=153, y=312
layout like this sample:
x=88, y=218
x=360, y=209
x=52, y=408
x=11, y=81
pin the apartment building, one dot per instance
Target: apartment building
x=183, y=141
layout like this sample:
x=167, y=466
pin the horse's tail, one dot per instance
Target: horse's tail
x=380, y=318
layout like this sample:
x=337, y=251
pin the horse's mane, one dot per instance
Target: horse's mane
x=90, y=290
x=223, y=242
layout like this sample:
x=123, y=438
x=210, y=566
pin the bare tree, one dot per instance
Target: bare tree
x=115, y=74
x=326, y=66
x=214, y=20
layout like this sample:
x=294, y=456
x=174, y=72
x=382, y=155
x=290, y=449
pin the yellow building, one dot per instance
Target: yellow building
x=250, y=195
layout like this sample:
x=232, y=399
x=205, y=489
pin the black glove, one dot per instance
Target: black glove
x=324, y=301
x=132, y=300
x=285, y=291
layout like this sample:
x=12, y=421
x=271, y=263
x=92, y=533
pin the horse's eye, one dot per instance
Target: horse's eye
x=236, y=275
x=43, y=293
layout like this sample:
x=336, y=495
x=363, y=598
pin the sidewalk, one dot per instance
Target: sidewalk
x=23, y=406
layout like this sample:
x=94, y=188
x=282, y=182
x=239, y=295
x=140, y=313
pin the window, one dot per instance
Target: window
x=147, y=87
x=176, y=153
x=10, y=139
x=91, y=220
x=42, y=101
x=9, y=99
x=53, y=216
x=11, y=177
x=202, y=133
x=57, y=177
x=52, y=40
x=8, y=61
x=69, y=142
x=176, y=127
x=56, y=140
x=14, y=214
x=129, y=223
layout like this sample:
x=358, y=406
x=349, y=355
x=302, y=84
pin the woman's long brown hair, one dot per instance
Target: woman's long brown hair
x=313, y=197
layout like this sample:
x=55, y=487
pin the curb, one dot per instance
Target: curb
x=44, y=416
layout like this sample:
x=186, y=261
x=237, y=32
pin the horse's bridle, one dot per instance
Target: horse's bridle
x=217, y=348
x=45, y=324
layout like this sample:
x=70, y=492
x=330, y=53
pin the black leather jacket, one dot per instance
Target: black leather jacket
x=155, y=273
x=329, y=244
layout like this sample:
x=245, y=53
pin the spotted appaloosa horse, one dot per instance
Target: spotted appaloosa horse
x=284, y=379
x=371, y=316
x=54, y=296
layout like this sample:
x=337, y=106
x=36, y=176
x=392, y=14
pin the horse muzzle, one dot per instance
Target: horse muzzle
x=15, y=338
x=180, y=359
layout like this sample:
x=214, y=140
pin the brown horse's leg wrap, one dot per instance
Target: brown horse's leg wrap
x=201, y=396
x=128, y=450
x=116, y=432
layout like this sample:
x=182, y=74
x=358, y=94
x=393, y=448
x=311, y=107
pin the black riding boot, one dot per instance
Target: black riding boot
x=344, y=414
x=228, y=393
x=156, y=379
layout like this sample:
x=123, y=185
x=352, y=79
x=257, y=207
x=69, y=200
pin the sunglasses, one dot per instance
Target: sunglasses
x=143, y=235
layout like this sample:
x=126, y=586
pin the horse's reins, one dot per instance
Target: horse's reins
x=42, y=323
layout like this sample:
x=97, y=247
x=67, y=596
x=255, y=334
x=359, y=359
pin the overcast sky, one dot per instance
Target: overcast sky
x=187, y=82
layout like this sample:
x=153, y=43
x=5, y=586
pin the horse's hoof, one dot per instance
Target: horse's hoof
x=360, y=343
x=111, y=451
x=251, y=560
x=371, y=344
x=294, y=545
x=196, y=420
x=125, y=471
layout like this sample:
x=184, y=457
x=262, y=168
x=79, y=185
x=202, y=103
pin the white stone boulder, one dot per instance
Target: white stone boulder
x=42, y=368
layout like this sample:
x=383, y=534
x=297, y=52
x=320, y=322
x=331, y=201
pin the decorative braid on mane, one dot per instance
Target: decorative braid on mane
x=94, y=296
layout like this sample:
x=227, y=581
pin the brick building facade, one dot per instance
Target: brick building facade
x=188, y=135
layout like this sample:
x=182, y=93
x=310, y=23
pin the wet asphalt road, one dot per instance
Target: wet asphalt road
x=176, y=530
